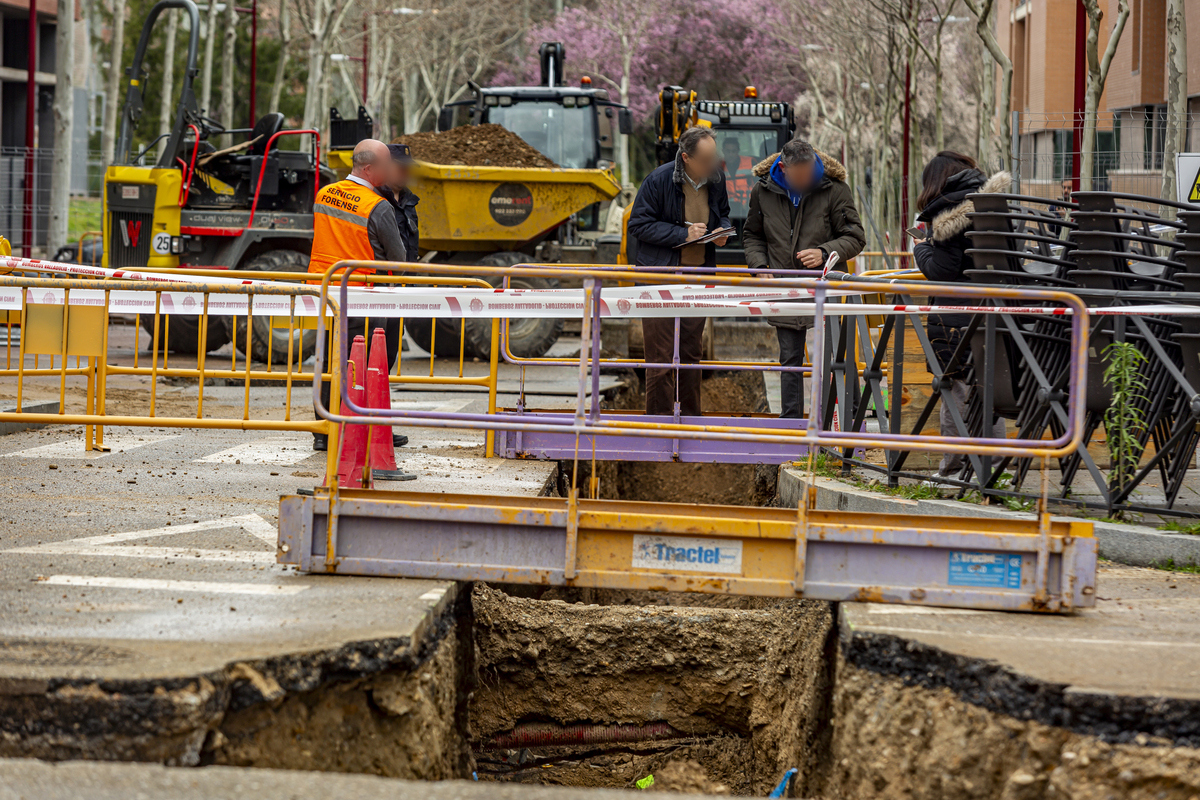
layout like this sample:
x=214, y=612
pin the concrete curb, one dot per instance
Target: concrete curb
x=1126, y=544
x=36, y=408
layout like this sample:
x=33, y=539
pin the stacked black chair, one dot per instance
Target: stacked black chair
x=1113, y=251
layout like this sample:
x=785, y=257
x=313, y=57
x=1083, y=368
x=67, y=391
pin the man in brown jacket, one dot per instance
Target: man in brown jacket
x=801, y=210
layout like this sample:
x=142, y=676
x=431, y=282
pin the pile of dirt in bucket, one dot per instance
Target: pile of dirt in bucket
x=475, y=146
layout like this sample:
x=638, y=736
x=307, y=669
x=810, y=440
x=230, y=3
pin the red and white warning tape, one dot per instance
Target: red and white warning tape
x=701, y=300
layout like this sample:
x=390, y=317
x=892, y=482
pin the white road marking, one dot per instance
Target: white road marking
x=208, y=587
x=1022, y=637
x=430, y=405
x=279, y=452
x=878, y=609
x=74, y=448
x=107, y=544
x=433, y=595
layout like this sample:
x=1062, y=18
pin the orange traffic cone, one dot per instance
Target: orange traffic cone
x=379, y=395
x=353, y=456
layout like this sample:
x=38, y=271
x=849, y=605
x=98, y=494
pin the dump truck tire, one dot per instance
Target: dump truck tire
x=263, y=340
x=447, y=341
x=182, y=334
x=527, y=338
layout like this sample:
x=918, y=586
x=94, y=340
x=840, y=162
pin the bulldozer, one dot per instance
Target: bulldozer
x=746, y=130
x=204, y=196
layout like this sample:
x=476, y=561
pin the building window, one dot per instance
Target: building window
x=1063, y=156
x=1155, y=138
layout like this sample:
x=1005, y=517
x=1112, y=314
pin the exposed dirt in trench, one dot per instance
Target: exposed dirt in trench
x=398, y=724
x=716, y=484
x=744, y=688
x=896, y=741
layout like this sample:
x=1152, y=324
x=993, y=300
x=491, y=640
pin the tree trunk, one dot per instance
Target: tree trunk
x=227, y=53
x=1097, y=75
x=112, y=103
x=166, y=107
x=64, y=108
x=316, y=80
x=938, y=91
x=985, y=17
x=409, y=92
x=1177, y=92
x=987, y=99
x=210, y=30
x=285, y=41
x=623, y=146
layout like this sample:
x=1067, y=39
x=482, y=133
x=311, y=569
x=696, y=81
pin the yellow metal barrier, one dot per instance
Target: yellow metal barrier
x=61, y=331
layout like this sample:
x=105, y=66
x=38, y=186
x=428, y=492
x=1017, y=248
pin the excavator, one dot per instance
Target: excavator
x=201, y=195
x=747, y=131
x=205, y=196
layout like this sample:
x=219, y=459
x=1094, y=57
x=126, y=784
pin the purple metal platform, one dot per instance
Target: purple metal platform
x=559, y=446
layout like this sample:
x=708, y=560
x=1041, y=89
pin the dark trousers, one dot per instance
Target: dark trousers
x=355, y=326
x=659, y=337
x=791, y=384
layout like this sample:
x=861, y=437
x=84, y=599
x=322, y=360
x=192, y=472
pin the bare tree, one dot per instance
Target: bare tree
x=449, y=44
x=210, y=38
x=984, y=11
x=985, y=78
x=165, y=117
x=322, y=21
x=941, y=15
x=1177, y=122
x=227, y=55
x=108, y=135
x=285, y=43
x=64, y=117
x=1097, y=74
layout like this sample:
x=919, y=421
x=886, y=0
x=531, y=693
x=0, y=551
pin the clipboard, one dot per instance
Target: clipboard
x=708, y=237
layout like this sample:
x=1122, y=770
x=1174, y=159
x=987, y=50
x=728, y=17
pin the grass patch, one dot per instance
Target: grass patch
x=1191, y=528
x=1170, y=566
x=86, y=215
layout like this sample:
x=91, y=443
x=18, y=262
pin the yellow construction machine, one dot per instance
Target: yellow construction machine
x=746, y=130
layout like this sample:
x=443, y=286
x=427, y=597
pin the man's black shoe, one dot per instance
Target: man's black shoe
x=399, y=440
x=320, y=443
x=392, y=475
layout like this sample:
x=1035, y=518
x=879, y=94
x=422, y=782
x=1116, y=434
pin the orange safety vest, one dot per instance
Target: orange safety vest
x=340, y=215
x=738, y=184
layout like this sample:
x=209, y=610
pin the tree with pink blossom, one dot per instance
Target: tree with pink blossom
x=635, y=47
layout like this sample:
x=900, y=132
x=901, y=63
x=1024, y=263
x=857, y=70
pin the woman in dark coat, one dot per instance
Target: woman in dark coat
x=946, y=181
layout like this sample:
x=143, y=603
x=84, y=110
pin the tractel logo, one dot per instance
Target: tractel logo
x=687, y=553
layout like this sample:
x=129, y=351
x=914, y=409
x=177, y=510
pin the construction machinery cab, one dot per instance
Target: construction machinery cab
x=201, y=195
x=573, y=126
x=747, y=131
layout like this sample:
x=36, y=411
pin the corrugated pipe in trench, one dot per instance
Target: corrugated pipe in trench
x=542, y=734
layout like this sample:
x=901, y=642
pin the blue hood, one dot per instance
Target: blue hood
x=781, y=182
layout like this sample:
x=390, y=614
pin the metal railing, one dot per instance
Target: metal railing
x=815, y=435
x=770, y=552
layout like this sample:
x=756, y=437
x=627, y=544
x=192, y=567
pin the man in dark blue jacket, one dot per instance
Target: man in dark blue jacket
x=678, y=203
